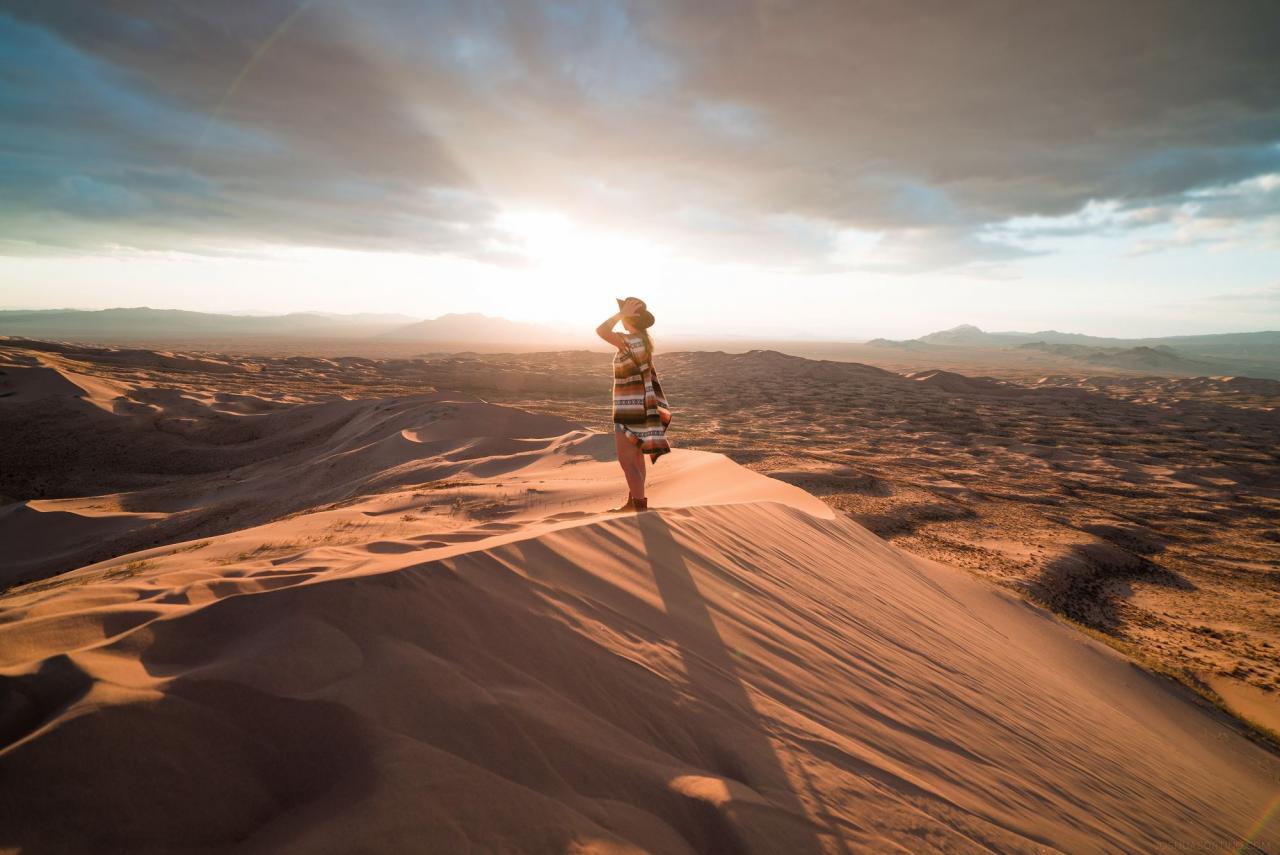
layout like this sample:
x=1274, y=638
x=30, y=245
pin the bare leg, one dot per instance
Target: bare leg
x=631, y=459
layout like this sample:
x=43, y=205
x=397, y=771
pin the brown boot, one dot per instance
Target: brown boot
x=641, y=504
x=629, y=505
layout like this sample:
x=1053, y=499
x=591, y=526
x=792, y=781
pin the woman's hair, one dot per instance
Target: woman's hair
x=648, y=341
x=642, y=322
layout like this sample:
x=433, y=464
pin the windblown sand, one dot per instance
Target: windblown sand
x=403, y=622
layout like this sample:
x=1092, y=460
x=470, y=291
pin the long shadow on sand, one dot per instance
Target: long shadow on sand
x=714, y=680
x=1089, y=582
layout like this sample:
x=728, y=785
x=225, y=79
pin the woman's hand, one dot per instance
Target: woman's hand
x=632, y=306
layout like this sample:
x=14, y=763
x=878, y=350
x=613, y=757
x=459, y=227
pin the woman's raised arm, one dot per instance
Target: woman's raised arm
x=605, y=330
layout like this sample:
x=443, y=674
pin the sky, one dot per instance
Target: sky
x=837, y=169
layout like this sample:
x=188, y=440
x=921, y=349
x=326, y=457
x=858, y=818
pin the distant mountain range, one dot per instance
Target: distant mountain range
x=1255, y=353
x=150, y=323
x=145, y=324
x=473, y=327
x=1160, y=359
x=1224, y=344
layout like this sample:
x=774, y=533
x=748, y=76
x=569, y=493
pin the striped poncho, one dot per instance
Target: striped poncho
x=640, y=408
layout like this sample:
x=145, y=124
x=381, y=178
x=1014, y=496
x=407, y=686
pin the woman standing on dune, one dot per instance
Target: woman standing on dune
x=640, y=411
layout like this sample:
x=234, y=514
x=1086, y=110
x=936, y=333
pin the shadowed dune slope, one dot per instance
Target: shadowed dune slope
x=102, y=468
x=738, y=671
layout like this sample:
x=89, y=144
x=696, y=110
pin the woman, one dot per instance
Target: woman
x=640, y=411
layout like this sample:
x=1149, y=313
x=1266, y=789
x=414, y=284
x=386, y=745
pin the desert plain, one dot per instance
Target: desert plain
x=260, y=602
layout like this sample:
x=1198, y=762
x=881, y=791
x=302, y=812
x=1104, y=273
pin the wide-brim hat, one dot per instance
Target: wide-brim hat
x=644, y=319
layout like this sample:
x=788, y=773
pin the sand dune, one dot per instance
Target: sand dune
x=204, y=464
x=948, y=381
x=468, y=655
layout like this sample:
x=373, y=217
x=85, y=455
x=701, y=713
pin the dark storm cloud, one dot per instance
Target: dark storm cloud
x=172, y=125
x=1004, y=108
x=754, y=131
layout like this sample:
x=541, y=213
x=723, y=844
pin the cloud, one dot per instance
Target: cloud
x=149, y=157
x=929, y=249
x=1244, y=214
x=1239, y=215
x=958, y=133
x=1268, y=297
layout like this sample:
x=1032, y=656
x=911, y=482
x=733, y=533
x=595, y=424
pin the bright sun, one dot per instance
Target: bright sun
x=578, y=267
